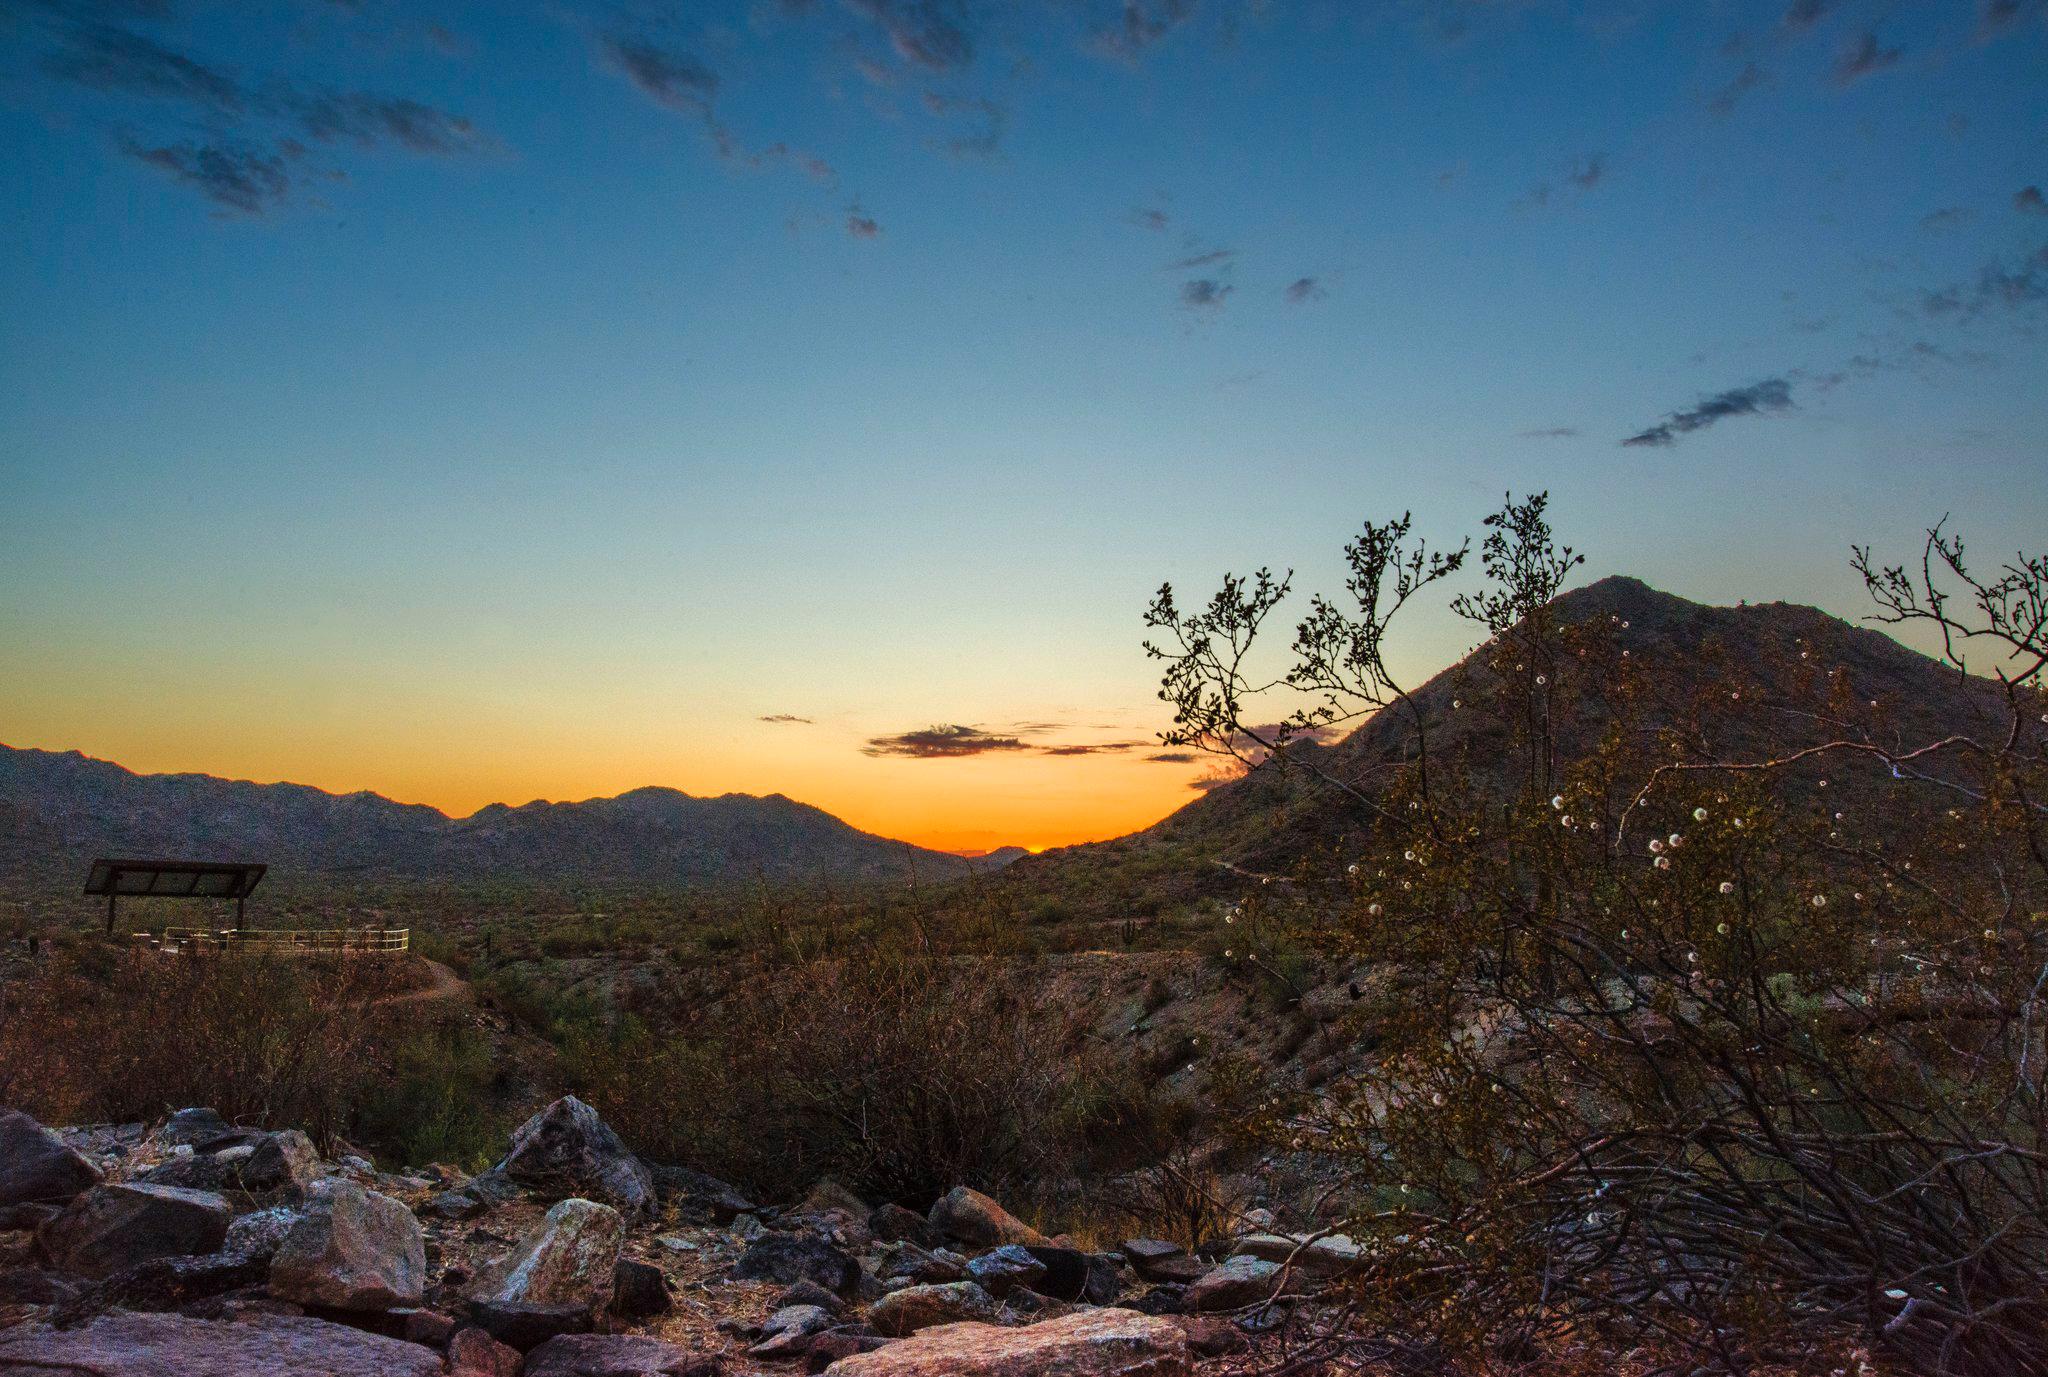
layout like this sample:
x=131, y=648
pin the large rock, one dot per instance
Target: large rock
x=922, y=1307
x=891, y=1222
x=699, y=1198
x=790, y=1258
x=569, y=1260
x=351, y=1250
x=131, y=1345
x=112, y=1228
x=639, y=1290
x=190, y=1126
x=1328, y=1256
x=262, y=1167
x=164, y=1283
x=616, y=1355
x=567, y=1150
x=523, y=1327
x=1003, y=1269
x=1241, y=1280
x=35, y=1165
x=971, y=1217
x=1090, y=1343
x=473, y=1353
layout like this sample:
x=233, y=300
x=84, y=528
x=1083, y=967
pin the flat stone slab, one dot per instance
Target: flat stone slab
x=128, y=1345
x=1091, y=1343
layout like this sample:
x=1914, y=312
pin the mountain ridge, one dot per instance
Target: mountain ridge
x=58, y=806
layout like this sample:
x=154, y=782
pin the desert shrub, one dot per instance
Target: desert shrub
x=1734, y=1059
x=902, y=1074
x=110, y=1033
x=437, y=1102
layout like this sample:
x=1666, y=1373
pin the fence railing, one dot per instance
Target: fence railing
x=278, y=941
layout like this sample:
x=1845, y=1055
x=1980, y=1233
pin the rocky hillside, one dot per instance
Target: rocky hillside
x=1763, y=670
x=58, y=810
x=198, y=1247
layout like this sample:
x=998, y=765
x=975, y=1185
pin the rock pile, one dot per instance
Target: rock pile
x=206, y=1248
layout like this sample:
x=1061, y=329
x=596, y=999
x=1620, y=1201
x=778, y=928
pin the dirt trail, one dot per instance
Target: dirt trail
x=446, y=984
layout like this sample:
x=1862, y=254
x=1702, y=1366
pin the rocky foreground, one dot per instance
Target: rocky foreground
x=199, y=1248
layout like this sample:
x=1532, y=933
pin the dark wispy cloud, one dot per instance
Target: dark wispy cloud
x=1215, y=779
x=786, y=719
x=1947, y=218
x=1139, y=25
x=1091, y=748
x=106, y=58
x=1549, y=433
x=2029, y=201
x=942, y=742
x=860, y=224
x=1728, y=97
x=256, y=143
x=1757, y=399
x=1804, y=14
x=1304, y=290
x=2000, y=17
x=238, y=179
x=1144, y=217
x=1589, y=173
x=1207, y=259
x=674, y=79
x=1864, y=57
x=1173, y=757
x=1204, y=294
x=933, y=34
x=2000, y=285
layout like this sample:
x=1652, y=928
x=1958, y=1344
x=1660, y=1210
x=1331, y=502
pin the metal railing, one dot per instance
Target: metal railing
x=278, y=941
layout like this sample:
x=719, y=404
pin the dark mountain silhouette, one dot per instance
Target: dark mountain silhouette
x=59, y=809
x=1764, y=669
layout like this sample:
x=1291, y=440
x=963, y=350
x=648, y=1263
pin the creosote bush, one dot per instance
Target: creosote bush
x=1720, y=1043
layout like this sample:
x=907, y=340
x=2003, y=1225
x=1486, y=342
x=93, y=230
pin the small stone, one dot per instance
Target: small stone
x=892, y=1222
x=971, y=1217
x=1005, y=1268
x=639, y=1290
x=790, y=1258
x=808, y=1292
x=474, y=1353
x=921, y=1307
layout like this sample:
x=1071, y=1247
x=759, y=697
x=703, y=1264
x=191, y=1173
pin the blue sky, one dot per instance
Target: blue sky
x=498, y=401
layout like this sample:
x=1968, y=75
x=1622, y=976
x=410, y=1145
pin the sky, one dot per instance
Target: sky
x=488, y=402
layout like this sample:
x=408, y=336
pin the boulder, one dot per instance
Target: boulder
x=1156, y=1260
x=639, y=1290
x=787, y=1333
x=1328, y=1256
x=1212, y=1336
x=112, y=1228
x=790, y=1258
x=525, y=1327
x=808, y=1292
x=569, y=1259
x=352, y=1250
x=188, y=1127
x=906, y=1259
x=1089, y=1343
x=922, y=1307
x=263, y=1167
x=971, y=1217
x=1066, y=1273
x=34, y=1286
x=892, y=1222
x=699, y=1198
x=1005, y=1269
x=35, y=1165
x=1105, y=1279
x=260, y=1233
x=616, y=1355
x=131, y=1345
x=473, y=1353
x=1241, y=1280
x=164, y=1283
x=566, y=1150
x=832, y=1345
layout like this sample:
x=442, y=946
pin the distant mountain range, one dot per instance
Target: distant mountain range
x=60, y=809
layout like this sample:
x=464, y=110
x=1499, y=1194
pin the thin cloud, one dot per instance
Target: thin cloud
x=1728, y=97
x=1091, y=748
x=941, y=742
x=1173, y=758
x=1590, y=172
x=1804, y=14
x=860, y=224
x=982, y=142
x=104, y=58
x=368, y=121
x=787, y=718
x=1549, y=433
x=1202, y=260
x=1146, y=218
x=240, y=180
x=1764, y=398
x=2012, y=286
x=933, y=34
x=676, y=80
x=1204, y=294
x=1141, y=25
x=1865, y=57
x=2029, y=201
x=1303, y=290
x=1948, y=218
